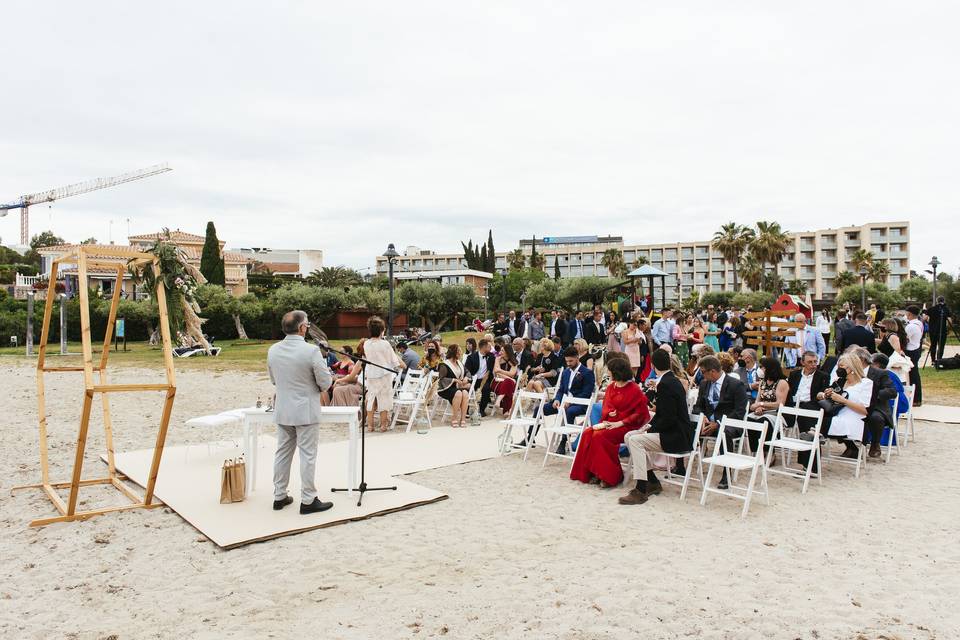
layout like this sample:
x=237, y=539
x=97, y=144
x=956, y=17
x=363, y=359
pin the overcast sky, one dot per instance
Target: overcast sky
x=345, y=126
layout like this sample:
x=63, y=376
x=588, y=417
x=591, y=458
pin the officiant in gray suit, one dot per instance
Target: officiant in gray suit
x=299, y=372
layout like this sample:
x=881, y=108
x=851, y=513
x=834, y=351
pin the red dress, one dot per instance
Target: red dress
x=598, y=453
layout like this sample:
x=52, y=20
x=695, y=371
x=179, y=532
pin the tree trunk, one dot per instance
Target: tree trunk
x=735, y=288
x=241, y=332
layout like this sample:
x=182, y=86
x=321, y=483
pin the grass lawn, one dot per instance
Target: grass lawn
x=235, y=355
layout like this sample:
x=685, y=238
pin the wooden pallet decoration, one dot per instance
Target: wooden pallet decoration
x=770, y=333
x=86, y=258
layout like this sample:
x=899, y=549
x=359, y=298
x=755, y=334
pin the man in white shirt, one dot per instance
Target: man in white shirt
x=913, y=349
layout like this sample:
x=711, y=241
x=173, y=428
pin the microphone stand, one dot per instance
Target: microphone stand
x=363, y=488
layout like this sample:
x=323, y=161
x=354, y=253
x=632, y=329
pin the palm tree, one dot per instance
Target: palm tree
x=639, y=261
x=751, y=270
x=613, y=260
x=861, y=258
x=334, y=277
x=845, y=279
x=731, y=241
x=537, y=261
x=879, y=270
x=770, y=244
x=516, y=260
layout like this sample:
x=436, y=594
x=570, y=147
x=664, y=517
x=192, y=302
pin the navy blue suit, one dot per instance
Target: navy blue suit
x=580, y=386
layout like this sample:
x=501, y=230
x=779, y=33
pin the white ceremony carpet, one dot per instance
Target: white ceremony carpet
x=189, y=481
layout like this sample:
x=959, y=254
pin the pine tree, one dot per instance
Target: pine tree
x=556, y=267
x=533, y=254
x=491, y=266
x=211, y=262
x=482, y=261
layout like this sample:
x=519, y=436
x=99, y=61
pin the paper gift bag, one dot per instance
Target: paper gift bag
x=233, y=481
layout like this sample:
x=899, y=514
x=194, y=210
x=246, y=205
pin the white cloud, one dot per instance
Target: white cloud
x=347, y=127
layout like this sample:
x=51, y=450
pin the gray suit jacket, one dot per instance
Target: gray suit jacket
x=300, y=374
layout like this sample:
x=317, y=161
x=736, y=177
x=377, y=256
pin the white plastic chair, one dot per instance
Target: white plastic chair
x=527, y=419
x=789, y=444
x=891, y=434
x=417, y=403
x=407, y=388
x=554, y=434
x=689, y=459
x=737, y=462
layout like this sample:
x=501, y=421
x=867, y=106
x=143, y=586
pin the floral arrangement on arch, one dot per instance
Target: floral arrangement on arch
x=180, y=281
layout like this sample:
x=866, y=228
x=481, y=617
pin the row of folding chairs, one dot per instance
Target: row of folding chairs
x=732, y=458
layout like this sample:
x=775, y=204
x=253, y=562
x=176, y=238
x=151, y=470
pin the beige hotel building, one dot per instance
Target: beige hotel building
x=815, y=257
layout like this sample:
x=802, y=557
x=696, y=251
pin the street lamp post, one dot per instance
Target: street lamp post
x=863, y=287
x=391, y=255
x=934, y=263
x=503, y=287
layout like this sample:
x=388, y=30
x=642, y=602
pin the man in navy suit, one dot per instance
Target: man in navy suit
x=577, y=381
x=859, y=335
x=574, y=329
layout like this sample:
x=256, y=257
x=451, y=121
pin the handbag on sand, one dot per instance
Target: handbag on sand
x=233, y=481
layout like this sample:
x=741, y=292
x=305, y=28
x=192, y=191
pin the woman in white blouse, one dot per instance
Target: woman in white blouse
x=847, y=425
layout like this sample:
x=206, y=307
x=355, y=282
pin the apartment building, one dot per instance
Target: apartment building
x=814, y=257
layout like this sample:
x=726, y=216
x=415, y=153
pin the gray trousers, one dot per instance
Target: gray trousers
x=303, y=437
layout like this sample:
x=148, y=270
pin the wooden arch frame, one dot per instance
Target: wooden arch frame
x=110, y=259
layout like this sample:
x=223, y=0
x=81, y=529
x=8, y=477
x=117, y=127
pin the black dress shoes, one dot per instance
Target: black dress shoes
x=280, y=504
x=315, y=507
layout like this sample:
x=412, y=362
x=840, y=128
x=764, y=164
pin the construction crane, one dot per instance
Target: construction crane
x=73, y=190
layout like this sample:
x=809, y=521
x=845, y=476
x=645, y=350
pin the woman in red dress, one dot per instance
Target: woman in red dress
x=624, y=409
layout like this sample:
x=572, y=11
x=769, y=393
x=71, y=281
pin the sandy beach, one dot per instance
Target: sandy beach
x=515, y=552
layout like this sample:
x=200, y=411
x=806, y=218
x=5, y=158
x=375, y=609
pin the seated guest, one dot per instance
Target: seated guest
x=431, y=357
x=720, y=395
x=583, y=352
x=677, y=368
x=577, y=381
x=505, y=373
x=880, y=409
x=624, y=410
x=670, y=431
x=469, y=346
x=772, y=392
x=479, y=364
x=411, y=361
x=748, y=371
x=727, y=364
x=805, y=384
x=853, y=392
x=526, y=358
x=545, y=373
x=347, y=390
x=343, y=367
x=453, y=385
x=881, y=361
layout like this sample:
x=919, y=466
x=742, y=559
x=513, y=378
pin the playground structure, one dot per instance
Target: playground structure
x=110, y=260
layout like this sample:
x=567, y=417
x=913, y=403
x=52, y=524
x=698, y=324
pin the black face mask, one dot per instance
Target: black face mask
x=741, y=363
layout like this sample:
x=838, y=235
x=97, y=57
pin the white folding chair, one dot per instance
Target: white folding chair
x=859, y=463
x=528, y=417
x=407, y=388
x=789, y=444
x=891, y=434
x=689, y=459
x=908, y=433
x=554, y=434
x=737, y=462
x=416, y=404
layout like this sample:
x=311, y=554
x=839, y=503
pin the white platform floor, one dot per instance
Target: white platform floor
x=189, y=481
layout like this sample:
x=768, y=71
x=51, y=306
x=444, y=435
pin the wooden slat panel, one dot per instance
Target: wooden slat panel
x=109, y=388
